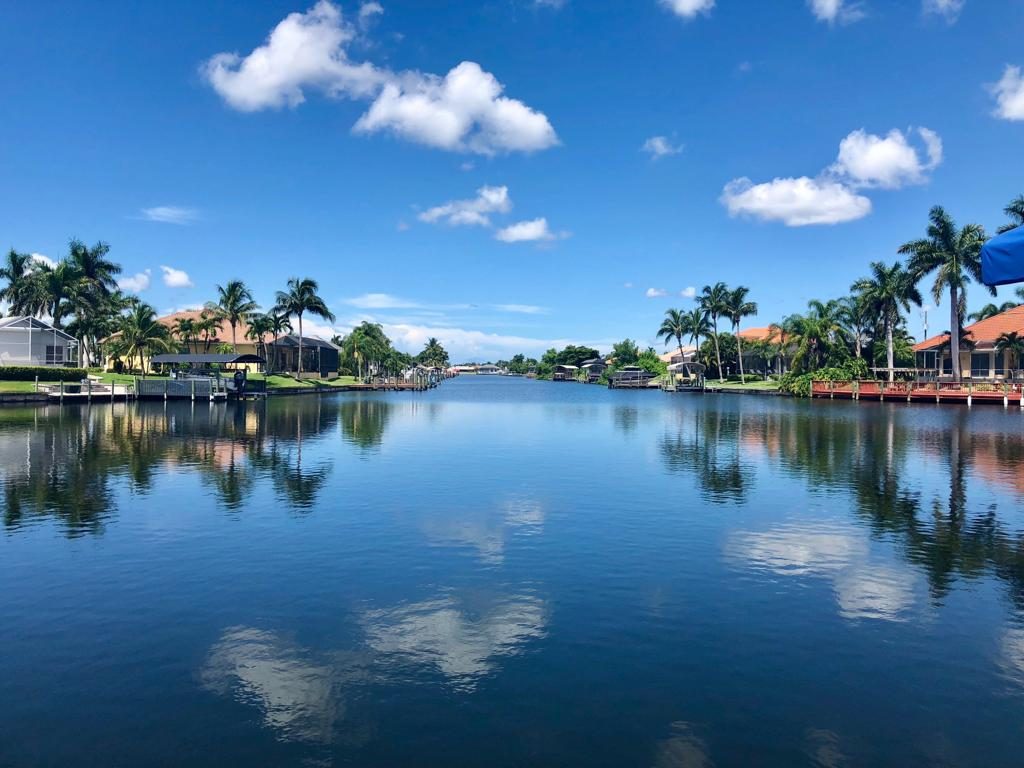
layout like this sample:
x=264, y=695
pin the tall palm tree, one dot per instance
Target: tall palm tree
x=54, y=290
x=857, y=317
x=886, y=291
x=1011, y=343
x=813, y=336
x=434, y=353
x=1015, y=210
x=736, y=308
x=234, y=304
x=17, y=271
x=96, y=270
x=954, y=255
x=713, y=300
x=673, y=327
x=302, y=297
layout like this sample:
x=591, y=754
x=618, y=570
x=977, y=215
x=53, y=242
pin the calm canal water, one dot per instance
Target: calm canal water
x=512, y=573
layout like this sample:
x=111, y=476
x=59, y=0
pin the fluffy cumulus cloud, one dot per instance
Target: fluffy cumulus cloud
x=948, y=9
x=135, y=283
x=864, y=161
x=380, y=301
x=474, y=211
x=659, y=146
x=688, y=292
x=46, y=261
x=689, y=9
x=534, y=230
x=890, y=161
x=795, y=202
x=170, y=214
x=465, y=110
x=836, y=11
x=462, y=111
x=175, y=278
x=522, y=309
x=1009, y=94
x=655, y=293
x=368, y=12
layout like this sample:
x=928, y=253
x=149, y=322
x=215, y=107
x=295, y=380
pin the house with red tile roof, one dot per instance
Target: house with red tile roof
x=978, y=356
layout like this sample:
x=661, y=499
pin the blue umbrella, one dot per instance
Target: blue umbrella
x=1002, y=258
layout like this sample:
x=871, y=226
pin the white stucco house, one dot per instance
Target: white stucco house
x=30, y=341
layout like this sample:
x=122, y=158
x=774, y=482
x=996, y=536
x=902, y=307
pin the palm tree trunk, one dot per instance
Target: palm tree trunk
x=739, y=351
x=300, y=345
x=234, y=344
x=889, y=354
x=954, y=331
x=718, y=353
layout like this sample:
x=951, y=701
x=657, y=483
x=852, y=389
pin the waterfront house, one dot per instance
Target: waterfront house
x=564, y=373
x=592, y=369
x=28, y=340
x=978, y=356
x=689, y=354
x=319, y=357
x=488, y=370
x=756, y=342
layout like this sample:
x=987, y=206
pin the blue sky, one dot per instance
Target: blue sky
x=507, y=174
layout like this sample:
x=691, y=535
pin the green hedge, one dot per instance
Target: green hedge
x=800, y=384
x=29, y=373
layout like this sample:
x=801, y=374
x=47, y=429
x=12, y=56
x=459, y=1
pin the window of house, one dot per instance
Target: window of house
x=54, y=355
x=926, y=361
x=947, y=364
x=1000, y=363
x=979, y=364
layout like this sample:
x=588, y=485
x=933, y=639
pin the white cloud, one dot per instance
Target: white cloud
x=688, y=292
x=660, y=146
x=866, y=160
x=534, y=230
x=522, y=309
x=170, y=214
x=627, y=285
x=689, y=9
x=39, y=258
x=176, y=278
x=949, y=9
x=463, y=111
x=833, y=11
x=135, y=283
x=368, y=11
x=468, y=165
x=305, y=50
x=471, y=212
x=655, y=293
x=1009, y=94
x=380, y=301
x=795, y=202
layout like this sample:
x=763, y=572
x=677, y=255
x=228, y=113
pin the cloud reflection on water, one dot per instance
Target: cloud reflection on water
x=864, y=589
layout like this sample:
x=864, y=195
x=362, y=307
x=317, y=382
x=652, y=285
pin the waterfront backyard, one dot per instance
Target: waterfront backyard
x=510, y=572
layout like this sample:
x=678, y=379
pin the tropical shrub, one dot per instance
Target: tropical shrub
x=30, y=372
x=799, y=385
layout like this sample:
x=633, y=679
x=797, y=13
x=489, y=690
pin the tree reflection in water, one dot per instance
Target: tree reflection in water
x=875, y=456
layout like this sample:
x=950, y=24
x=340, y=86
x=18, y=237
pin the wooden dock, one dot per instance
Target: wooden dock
x=967, y=393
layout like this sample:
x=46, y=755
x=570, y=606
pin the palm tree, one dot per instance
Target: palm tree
x=185, y=329
x=954, y=255
x=17, y=271
x=53, y=290
x=696, y=326
x=991, y=310
x=857, y=317
x=259, y=327
x=207, y=327
x=434, y=353
x=886, y=292
x=277, y=326
x=96, y=270
x=813, y=335
x=1011, y=343
x=142, y=335
x=737, y=307
x=712, y=300
x=1015, y=210
x=300, y=298
x=673, y=327
x=235, y=303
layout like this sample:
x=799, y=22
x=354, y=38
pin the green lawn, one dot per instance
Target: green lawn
x=760, y=384
x=17, y=386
